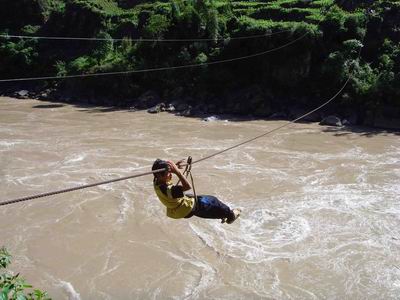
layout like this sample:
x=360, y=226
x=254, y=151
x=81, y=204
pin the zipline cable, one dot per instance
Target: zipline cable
x=160, y=68
x=78, y=187
x=138, y=39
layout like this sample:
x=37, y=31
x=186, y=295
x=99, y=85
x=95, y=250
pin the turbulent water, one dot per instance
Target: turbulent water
x=321, y=209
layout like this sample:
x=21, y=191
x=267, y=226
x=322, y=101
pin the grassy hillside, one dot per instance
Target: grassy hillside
x=298, y=75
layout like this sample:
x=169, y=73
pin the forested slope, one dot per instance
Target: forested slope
x=302, y=74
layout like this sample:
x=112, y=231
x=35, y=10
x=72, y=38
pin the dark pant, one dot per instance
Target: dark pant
x=210, y=207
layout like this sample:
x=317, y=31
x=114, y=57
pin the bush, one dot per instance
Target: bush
x=13, y=287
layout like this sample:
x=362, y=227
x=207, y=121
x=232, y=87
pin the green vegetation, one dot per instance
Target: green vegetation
x=311, y=69
x=13, y=287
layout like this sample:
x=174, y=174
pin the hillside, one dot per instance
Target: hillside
x=324, y=41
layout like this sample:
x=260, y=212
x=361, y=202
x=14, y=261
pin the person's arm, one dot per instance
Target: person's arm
x=174, y=169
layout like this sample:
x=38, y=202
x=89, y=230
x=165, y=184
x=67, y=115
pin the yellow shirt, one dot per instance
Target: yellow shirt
x=178, y=205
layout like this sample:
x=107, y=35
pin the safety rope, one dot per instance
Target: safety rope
x=188, y=172
x=139, y=39
x=157, y=69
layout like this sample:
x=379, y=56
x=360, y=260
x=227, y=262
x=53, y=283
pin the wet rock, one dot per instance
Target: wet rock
x=210, y=119
x=331, y=121
x=180, y=107
x=22, y=94
x=187, y=112
x=346, y=122
x=44, y=95
x=170, y=108
x=156, y=109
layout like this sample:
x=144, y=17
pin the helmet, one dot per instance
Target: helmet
x=160, y=164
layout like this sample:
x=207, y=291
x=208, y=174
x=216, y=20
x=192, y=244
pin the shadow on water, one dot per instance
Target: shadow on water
x=48, y=106
x=96, y=109
x=360, y=130
x=83, y=107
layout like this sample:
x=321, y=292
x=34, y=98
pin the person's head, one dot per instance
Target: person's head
x=162, y=176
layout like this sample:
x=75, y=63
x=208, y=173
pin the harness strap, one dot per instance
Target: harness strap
x=188, y=172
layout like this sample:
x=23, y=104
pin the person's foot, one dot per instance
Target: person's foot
x=236, y=213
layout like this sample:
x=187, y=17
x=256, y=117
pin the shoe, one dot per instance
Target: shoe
x=236, y=213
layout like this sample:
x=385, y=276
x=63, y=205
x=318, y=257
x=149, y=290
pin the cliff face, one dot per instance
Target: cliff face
x=301, y=74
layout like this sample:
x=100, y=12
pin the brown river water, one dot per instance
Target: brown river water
x=321, y=209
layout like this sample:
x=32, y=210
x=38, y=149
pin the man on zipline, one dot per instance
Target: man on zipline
x=180, y=205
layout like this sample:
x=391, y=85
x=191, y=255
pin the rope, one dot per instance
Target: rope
x=138, y=39
x=78, y=187
x=157, y=69
x=188, y=172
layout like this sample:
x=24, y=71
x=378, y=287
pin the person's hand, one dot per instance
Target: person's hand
x=172, y=167
x=179, y=163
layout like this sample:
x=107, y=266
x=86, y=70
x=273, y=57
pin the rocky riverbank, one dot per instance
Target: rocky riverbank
x=246, y=103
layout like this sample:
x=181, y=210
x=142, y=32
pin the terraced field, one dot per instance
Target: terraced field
x=278, y=11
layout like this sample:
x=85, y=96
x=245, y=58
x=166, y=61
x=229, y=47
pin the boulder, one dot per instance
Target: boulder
x=22, y=94
x=156, y=109
x=181, y=107
x=187, y=112
x=346, y=122
x=170, y=108
x=210, y=119
x=45, y=95
x=331, y=121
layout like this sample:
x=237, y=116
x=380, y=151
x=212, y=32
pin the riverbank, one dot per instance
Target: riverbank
x=242, y=104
